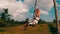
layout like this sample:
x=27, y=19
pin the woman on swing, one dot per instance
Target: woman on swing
x=35, y=17
x=34, y=21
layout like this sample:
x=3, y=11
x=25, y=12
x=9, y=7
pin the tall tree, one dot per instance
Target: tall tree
x=5, y=14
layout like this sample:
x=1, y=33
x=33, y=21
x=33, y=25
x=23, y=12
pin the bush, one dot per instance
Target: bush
x=2, y=25
x=52, y=29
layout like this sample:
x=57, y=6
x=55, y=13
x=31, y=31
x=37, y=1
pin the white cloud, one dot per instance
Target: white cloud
x=59, y=10
x=58, y=5
x=19, y=10
x=45, y=5
x=44, y=12
x=42, y=4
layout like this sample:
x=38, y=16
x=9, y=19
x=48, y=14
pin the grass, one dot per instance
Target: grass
x=38, y=29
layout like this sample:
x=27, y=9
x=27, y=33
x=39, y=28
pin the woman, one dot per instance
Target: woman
x=35, y=17
x=37, y=14
x=34, y=21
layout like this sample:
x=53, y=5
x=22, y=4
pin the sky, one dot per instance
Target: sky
x=22, y=9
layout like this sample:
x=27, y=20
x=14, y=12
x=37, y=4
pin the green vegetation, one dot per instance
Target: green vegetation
x=5, y=20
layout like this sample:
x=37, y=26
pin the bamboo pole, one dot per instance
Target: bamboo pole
x=56, y=16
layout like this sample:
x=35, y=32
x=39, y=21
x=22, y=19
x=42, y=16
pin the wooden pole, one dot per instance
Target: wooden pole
x=56, y=16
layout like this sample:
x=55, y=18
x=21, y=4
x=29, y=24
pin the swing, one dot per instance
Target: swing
x=35, y=16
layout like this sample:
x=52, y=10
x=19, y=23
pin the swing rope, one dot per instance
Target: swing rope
x=26, y=25
x=35, y=5
x=35, y=8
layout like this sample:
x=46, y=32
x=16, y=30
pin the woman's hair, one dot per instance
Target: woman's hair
x=37, y=12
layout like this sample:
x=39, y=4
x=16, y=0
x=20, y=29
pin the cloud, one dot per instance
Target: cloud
x=58, y=5
x=44, y=12
x=42, y=4
x=59, y=10
x=19, y=10
x=45, y=5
